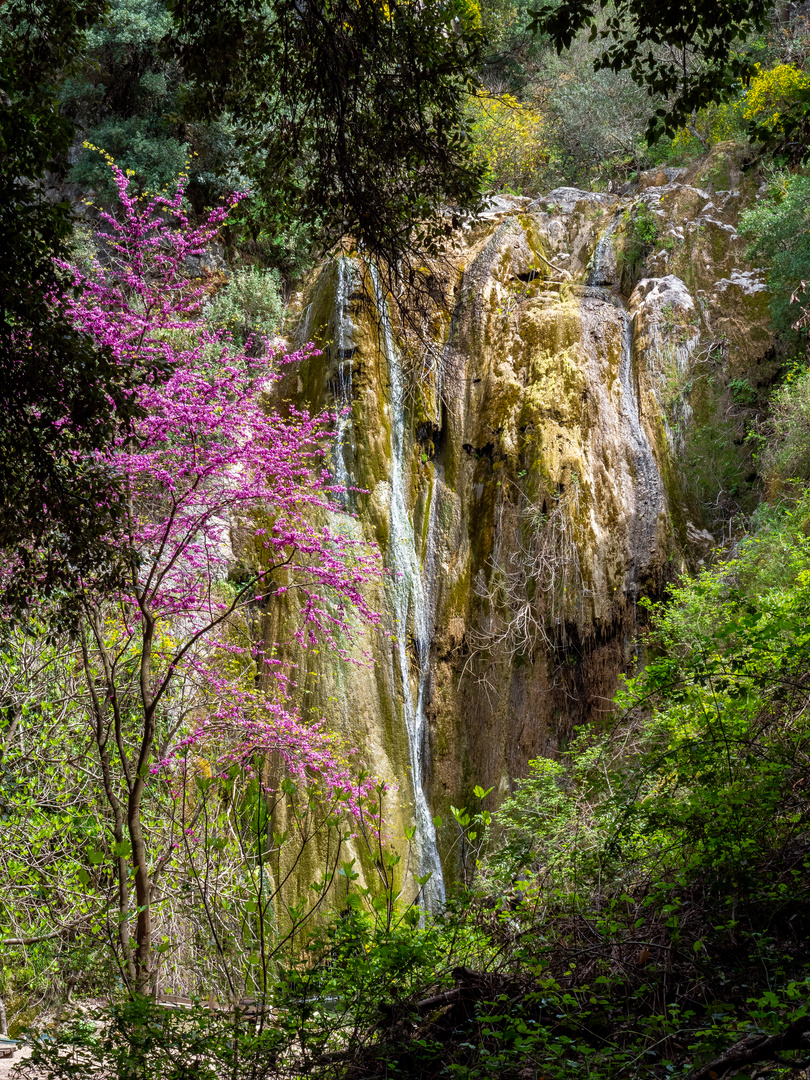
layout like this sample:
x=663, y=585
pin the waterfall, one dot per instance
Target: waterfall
x=602, y=269
x=602, y=282
x=342, y=339
x=649, y=493
x=409, y=599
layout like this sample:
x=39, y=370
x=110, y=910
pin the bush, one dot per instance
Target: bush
x=510, y=136
x=124, y=97
x=640, y=234
x=778, y=231
x=771, y=93
x=777, y=108
x=142, y=1040
x=263, y=230
x=249, y=304
x=786, y=454
x=768, y=110
x=599, y=119
x=645, y=905
x=139, y=145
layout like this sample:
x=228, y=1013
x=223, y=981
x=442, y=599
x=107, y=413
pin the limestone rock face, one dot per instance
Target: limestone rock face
x=517, y=461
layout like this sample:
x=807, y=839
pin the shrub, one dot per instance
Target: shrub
x=263, y=230
x=772, y=93
x=778, y=231
x=768, y=110
x=786, y=455
x=640, y=234
x=142, y=1040
x=249, y=304
x=599, y=121
x=140, y=145
x=510, y=136
x=714, y=124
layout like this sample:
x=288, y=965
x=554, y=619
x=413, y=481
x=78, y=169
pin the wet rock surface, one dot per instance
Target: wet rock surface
x=519, y=460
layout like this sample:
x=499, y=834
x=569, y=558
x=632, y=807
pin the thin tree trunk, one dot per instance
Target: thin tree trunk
x=704, y=142
x=101, y=736
x=143, y=887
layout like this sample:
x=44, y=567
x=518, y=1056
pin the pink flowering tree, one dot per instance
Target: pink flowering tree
x=227, y=510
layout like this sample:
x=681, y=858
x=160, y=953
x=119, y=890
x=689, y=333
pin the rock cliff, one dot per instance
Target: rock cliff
x=519, y=456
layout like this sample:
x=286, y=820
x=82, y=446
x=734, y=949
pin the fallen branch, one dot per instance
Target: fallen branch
x=796, y=1036
x=40, y=937
x=557, y=269
x=438, y=999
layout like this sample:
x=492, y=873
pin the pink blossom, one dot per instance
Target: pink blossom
x=208, y=459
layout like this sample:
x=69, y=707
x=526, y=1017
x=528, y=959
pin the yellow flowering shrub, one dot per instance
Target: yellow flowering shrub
x=468, y=12
x=770, y=91
x=768, y=95
x=510, y=136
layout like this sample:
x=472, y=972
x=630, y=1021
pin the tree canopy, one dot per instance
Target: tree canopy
x=60, y=396
x=350, y=119
x=688, y=52
x=351, y=113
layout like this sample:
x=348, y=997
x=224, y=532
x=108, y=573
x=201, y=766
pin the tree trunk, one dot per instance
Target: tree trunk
x=143, y=886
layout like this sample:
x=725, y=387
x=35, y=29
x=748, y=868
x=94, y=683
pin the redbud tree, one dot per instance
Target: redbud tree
x=227, y=508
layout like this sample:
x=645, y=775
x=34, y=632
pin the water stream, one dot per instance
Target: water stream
x=342, y=343
x=411, y=605
x=602, y=270
x=602, y=282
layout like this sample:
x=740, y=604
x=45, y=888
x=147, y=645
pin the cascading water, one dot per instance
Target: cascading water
x=410, y=602
x=569, y=387
x=342, y=339
x=649, y=488
x=602, y=283
x=602, y=269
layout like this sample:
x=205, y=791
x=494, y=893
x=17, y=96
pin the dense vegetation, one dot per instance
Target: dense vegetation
x=640, y=905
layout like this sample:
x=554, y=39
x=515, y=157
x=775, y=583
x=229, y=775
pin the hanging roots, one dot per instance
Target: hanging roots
x=535, y=582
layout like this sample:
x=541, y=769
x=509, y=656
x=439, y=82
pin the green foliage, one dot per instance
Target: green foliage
x=785, y=454
x=539, y=809
x=777, y=108
x=778, y=232
x=592, y=122
x=125, y=97
x=266, y=232
x=637, y=882
x=712, y=786
x=599, y=120
x=257, y=102
x=317, y=1016
x=141, y=1040
x=718, y=459
x=60, y=397
x=768, y=110
x=139, y=145
x=640, y=233
x=370, y=144
x=363, y=965
x=709, y=31
x=249, y=304
x=716, y=420
x=742, y=392
x=509, y=137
